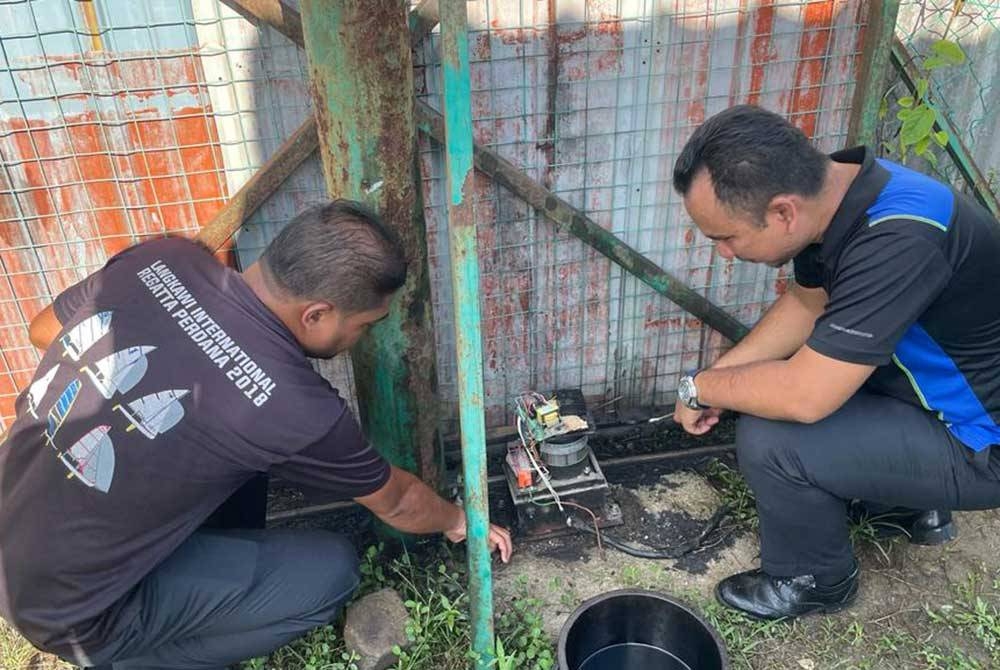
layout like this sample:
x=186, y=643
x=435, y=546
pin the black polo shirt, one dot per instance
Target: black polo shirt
x=911, y=267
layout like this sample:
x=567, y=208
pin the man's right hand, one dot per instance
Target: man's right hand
x=696, y=421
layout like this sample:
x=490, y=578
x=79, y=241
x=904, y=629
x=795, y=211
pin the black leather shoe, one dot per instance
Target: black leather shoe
x=929, y=528
x=765, y=597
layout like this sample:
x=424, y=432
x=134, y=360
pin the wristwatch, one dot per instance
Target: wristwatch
x=687, y=392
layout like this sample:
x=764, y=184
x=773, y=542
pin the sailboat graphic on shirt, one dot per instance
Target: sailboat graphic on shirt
x=92, y=459
x=83, y=335
x=156, y=413
x=62, y=407
x=37, y=390
x=120, y=371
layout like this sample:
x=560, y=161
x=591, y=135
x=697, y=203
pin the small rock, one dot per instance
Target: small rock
x=374, y=625
x=807, y=664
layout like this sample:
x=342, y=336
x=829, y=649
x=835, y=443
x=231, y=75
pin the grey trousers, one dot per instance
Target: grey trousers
x=875, y=448
x=228, y=595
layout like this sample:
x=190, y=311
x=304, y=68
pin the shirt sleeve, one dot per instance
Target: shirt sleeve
x=67, y=303
x=79, y=295
x=807, y=269
x=342, y=462
x=884, y=282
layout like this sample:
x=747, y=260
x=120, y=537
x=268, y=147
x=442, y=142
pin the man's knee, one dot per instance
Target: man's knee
x=339, y=574
x=764, y=446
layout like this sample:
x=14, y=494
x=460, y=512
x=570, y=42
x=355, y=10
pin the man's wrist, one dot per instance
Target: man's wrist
x=687, y=391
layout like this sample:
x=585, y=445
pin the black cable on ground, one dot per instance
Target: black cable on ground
x=661, y=553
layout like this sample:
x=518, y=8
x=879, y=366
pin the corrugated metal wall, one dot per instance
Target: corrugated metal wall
x=140, y=118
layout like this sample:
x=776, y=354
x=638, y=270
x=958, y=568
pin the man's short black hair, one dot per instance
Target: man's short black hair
x=752, y=155
x=341, y=253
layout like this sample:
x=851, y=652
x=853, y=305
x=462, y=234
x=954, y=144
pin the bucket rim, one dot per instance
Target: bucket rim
x=561, y=659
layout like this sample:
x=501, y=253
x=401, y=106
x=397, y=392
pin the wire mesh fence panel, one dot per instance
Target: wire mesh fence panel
x=965, y=92
x=594, y=100
x=107, y=137
x=121, y=121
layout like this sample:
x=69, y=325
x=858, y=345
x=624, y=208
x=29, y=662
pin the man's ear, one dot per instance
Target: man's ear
x=315, y=313
x=783, y=212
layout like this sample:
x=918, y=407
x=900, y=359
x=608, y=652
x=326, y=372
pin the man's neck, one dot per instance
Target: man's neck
x=262, y=287
x=839, y=178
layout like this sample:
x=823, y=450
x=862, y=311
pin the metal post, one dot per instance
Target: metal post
x=361, y=77
x=468, y=337
x=873, y=71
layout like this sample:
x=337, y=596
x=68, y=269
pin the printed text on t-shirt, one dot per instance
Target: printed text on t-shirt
x=206, y=333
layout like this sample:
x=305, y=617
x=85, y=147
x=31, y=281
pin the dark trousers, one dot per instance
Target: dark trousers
x=229, y=595
x=874, y=448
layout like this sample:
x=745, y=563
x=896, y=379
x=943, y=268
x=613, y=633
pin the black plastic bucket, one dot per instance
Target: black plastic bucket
x=638, y=630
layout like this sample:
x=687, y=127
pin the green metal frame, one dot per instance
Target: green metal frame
x=873, y=71
x=361, y=74
x=468, y=336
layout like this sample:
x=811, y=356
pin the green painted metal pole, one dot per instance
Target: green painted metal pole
x=361, y=77
x=468, y=336
x=873, y=71
x=902, y=59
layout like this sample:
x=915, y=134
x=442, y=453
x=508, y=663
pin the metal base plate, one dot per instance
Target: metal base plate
x=538, y=516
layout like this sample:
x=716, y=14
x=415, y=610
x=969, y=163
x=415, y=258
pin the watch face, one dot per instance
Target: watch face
x=685, y=390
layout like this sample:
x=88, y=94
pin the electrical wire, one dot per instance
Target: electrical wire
x=660, y=553
x=541, y=473
x=569, y=521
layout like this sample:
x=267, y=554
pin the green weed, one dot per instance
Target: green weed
x=438, y=626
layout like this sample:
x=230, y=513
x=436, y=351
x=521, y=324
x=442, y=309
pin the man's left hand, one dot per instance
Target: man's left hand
x=499, y=539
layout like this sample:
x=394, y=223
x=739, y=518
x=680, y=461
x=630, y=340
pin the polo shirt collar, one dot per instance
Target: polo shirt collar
x=862, y=193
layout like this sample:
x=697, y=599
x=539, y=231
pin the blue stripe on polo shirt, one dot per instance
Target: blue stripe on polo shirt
x=943, y=388
x=911, y=195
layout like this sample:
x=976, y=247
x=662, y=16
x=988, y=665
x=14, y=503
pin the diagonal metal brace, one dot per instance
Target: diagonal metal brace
x=569, y=218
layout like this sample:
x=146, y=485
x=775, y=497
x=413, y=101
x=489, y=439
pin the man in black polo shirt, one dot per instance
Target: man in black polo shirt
x=875, y=378
x=168, y=382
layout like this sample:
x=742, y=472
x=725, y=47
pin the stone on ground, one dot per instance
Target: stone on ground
x=374, y=625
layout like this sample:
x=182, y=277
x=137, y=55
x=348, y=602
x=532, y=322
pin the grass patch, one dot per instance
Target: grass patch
x=438, y=627
x=16, y=653
x=734, y=492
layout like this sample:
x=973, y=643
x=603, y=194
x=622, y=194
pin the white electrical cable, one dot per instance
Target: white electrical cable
x=538, y=469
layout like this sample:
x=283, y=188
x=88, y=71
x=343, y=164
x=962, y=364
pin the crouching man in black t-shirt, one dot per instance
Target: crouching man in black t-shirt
x=873, y=379
x=168, y=383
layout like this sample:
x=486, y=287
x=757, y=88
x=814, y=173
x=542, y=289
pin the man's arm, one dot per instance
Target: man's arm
x=44, y=328
x=782, y=330
x=805, y=388
x=409, y=505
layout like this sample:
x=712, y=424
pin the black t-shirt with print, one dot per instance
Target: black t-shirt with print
x=169, y=386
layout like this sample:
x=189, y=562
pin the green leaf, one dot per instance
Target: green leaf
x=941, y=137
x=922, y=86
x=935, y=62
x=917, y=126
x=921, y=146
x=905, y=101
x=949, y=52
x=904, y=114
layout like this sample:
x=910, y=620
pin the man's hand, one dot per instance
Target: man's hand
x=409, y=505
x=499, y=538
x=696, y=421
